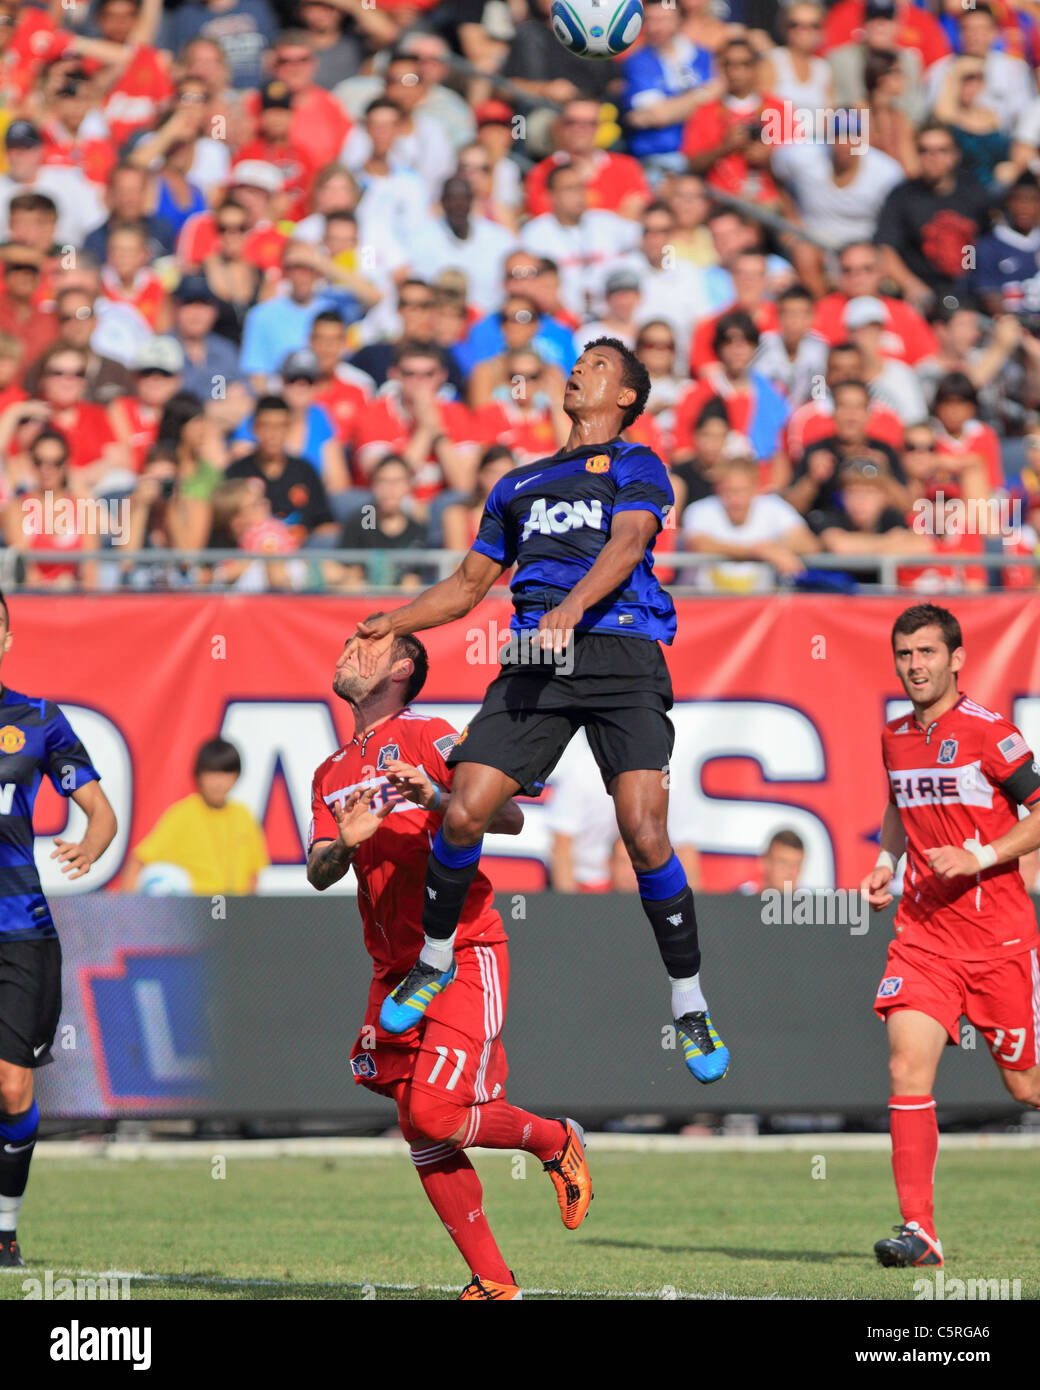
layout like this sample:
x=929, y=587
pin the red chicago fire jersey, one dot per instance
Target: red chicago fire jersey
x=391, y=866
x=961, y=779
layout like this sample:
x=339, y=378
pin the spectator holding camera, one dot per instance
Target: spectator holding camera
x=723, y=138
x=171, y=507
x=44, y=487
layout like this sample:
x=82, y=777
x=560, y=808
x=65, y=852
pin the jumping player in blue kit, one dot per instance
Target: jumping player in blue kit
x=36, y=740
x=589, y=613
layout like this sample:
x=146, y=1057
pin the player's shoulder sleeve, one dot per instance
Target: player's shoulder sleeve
x=437, y=740
x=1008, y=761
x=496, y=535
x=67, y=764
x=642, y=482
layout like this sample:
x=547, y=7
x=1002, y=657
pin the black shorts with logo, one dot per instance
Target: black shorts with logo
x=30, y=1000
x=619, y=689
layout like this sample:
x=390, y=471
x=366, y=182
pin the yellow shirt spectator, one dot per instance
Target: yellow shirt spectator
x=221, y=848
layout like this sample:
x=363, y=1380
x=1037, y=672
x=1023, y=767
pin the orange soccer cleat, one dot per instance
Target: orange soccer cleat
x=489, y=1291
x=570, y=1176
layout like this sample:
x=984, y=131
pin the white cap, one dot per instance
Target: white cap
x=163, y=354
x=256, y=173
x=862, y=310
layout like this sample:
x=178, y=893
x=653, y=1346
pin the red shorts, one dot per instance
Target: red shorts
x=1000, y=997
x=456, y=1051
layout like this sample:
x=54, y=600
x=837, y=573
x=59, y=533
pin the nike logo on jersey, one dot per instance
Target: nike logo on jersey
x=432, y=892
x=18, y=1148
x=37, y=1050
x=562, y=517
x=7, y=790
x=526, y=481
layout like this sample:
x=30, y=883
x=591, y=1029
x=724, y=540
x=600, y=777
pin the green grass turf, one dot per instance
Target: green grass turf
x=736, y=1224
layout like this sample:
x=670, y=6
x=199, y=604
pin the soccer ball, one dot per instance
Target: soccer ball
x=596, y=28
x=164, y=881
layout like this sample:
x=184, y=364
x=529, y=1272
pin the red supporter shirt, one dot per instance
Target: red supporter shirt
x=961, y=779
x=385, y=429
x=262, y=246
x=905, y=335
x=701, y=350
x=319, y=124
x=615, y=178
x=147, y=295
x=95, y=159
x=136, y=98
x=529, y=436
x=344, y=401
x=976, y=438
x=917, y=29
x=391, y=866
x=87, y=432
x=144, y=428
x=706, y=129
x=814, y=420
x=35, y=333
x=294, y=162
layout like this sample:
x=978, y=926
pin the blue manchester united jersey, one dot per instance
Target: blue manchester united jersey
x=552, y=518
x=35, y=739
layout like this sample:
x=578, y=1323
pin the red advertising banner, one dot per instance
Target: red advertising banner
x=778, y=715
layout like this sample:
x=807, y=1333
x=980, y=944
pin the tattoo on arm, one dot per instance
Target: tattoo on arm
x=328, y=863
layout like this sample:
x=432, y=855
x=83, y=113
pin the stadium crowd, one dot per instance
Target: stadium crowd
x=293, y=278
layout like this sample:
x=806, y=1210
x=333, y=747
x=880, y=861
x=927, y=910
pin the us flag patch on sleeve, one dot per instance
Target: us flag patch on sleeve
x=446, y=744
x=1013, y=747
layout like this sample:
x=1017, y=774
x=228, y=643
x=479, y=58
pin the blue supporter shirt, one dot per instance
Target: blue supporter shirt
x=552, y=518
x=35, y=740
x=649, y=77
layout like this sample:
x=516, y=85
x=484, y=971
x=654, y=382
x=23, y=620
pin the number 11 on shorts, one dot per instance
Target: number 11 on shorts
x=442, y=1057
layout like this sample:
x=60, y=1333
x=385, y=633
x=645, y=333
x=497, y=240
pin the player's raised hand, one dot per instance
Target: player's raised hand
x=947, y=861
x=375, y=636
x=875, y=886
x=411, y=782
x=73, y=858
x=356, y=819
x=556, y=628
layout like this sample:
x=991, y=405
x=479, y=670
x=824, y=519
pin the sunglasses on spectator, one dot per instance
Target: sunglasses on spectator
x=66, y=371
x=290, y=60
x=155, y=371
x=299, y=380
x=922, y=446
x=417, y=372
x=50, y=462
x=418, y=304
x=6, y=21
x=471, y=166
x=656, y=344
x=732, y=338
x=804, y=24
x=23, y=265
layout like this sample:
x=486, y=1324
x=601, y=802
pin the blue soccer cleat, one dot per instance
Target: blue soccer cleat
x=704, y=1052
x=405, y=1006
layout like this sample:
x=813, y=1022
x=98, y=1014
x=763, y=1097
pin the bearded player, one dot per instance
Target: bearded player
x=966, y=935
x=36, y=741
x=377, y=804
x=584, y=650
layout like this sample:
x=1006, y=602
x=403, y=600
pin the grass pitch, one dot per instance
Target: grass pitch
x=662, y=1225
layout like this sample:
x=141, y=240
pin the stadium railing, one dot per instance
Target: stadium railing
x=114, y=566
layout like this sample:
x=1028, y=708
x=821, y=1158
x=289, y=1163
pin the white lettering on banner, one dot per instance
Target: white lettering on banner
x=164, y=1062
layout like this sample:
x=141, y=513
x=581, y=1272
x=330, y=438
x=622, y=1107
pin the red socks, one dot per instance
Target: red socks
x=915, y=1147
x=451, y=1183
x=499, y=1125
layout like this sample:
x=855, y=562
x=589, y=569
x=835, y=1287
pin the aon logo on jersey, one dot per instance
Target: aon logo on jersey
x=561, y=517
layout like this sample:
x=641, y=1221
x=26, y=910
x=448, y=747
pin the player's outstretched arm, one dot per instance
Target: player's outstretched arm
x=329, y=860
x=415, y=785
x=76, y=859
x=452, y=598
x=630, y=534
